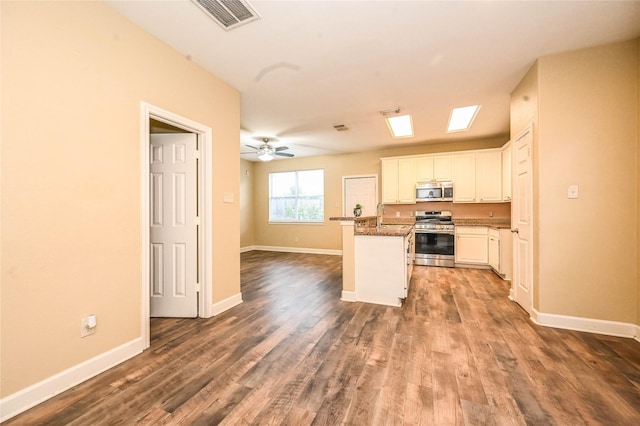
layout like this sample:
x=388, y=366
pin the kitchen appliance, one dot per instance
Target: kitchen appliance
x=434, y=191
x=435, y=238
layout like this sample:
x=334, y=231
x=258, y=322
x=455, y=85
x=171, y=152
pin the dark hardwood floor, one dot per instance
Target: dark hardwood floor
x=457, y=352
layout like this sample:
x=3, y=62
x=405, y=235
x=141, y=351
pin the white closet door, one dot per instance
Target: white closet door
x=173, y=232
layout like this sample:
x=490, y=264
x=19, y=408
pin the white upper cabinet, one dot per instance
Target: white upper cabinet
x=442, y=168
x=506, y=172
x=424, y=169
x=433, y=168
x=480, y=176
x=390, y=181
x=464, y=178
x=398, y=181
x=407, y=181
x=489, y=176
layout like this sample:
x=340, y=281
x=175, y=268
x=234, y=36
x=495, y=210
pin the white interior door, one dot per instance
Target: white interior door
x=173, y=225
x=522, y=218
x=361, y=190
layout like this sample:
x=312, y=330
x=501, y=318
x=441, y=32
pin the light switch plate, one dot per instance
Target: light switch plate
x=228, y=197
x=85, y=330
x=572, y=192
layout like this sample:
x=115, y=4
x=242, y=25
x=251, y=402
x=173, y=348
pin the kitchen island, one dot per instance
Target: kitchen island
x=377, y=260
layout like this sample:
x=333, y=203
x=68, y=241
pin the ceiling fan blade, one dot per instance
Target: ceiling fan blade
x=251, y=146
x=284, y=154
x=282, y=148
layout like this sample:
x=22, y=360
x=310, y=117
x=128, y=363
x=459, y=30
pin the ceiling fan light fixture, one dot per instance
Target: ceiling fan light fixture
x=266, y=153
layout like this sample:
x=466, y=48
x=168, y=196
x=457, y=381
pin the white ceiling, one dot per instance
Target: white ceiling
x=306, y=66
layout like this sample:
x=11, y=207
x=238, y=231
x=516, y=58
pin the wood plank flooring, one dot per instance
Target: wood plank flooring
x=457, y=352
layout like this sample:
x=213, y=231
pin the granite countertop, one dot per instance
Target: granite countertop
x=388, y=230
x=390, y=220
x=353, y=218
x=391, y=226
x=490, y=222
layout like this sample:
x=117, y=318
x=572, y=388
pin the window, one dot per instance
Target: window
x=296, y=196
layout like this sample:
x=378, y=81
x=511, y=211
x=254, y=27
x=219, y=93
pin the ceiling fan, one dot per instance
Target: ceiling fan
x=266, y=152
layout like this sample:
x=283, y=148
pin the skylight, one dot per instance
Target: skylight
x=461, y=118
x=400, y=126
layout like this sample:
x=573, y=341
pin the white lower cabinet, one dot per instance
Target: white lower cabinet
x=383, y=266
x=501, y=252
x=494, y=249
x=471, y=245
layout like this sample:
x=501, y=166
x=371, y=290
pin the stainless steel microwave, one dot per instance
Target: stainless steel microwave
x=434, y=191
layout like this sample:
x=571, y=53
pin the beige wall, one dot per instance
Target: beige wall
x=247, y=238
x=327, y=236
x=73, y=77
x=638, y=290
x=587, y=134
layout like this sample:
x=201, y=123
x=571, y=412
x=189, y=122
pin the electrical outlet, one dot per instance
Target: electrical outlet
x=85, y=330
x=295, y=239
x=490, y=213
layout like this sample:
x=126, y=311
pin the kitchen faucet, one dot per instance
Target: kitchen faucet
x=379, y=215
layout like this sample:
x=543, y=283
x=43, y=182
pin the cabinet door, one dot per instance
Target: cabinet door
x=390, y=181
x=424, y=169
x=494, y=252
x=471, y=249
x=442, y=168
x=472, y=244
x=506, y=173
x=506, y=253
x=464, y=178
x=489, y=176
x=407, y=181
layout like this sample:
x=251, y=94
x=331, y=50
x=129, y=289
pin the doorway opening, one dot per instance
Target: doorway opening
x=155, y=116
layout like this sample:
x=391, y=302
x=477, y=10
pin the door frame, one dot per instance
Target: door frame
x=205, y=189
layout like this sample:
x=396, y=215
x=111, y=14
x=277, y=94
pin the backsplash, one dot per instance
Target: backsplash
x=458, y=210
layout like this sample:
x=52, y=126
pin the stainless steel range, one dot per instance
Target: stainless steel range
x=435, y=238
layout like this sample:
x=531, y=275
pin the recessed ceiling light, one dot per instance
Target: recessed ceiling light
x=461, y=118
x=400, y=126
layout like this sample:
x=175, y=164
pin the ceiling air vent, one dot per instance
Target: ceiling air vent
x=228, y=13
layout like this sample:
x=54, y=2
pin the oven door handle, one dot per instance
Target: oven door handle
x=435, y=231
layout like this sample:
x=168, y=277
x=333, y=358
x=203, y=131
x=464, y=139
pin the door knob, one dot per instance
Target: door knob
x=515, y=231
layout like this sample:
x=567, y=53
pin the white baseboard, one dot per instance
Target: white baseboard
x=348, y=296
x=610, y=328
x=33, y=395
x=247, y=248
x=299, y=250
x=226, y=304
